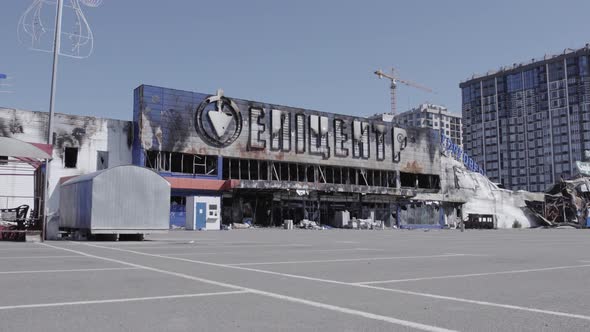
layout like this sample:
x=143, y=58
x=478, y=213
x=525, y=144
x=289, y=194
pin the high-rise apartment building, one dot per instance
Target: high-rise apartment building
x=435, y=117
x=528, y=123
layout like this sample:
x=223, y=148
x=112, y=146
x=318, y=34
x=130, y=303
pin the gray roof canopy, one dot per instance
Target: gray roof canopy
x=12, y=147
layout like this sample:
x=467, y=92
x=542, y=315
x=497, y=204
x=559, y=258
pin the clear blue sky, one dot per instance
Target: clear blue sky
x=312, y=54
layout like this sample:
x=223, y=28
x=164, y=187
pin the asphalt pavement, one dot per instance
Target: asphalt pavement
x=302, y=280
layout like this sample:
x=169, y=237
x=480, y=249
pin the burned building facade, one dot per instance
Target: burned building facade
x=268, y=163
x=230, y=161
x=81, y=144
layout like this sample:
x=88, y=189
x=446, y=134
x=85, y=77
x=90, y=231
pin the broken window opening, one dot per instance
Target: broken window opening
x=391, y=179
x=226, y=168
x=284, y=171
x=370, y=177
x=70, y=157
x=188, y=163
x=347, y=178
x=239, y=168
x=422, y=181
x=211, y=165
x=321, y=173
x=338, y=175
x=264, y=171
x=428, y=181
x=274, y=173
x=363, y=174
x=175, y=162
x=244, y=169
x=102, y=160
x=329, y=174
x=254, y=170
x=293, y=172
x=407, y=180
x=310, y=173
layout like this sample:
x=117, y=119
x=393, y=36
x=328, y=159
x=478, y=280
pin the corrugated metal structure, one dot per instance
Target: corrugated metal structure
x=124, y=200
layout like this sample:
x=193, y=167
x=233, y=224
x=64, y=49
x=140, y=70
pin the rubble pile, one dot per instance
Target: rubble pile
x=566, y=203
x=309, y=224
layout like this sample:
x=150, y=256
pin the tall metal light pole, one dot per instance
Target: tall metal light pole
x=31, y=31
x=56, y=48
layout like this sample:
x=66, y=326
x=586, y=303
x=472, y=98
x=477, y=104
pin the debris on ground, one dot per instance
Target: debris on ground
x=240, y=225
x=13, y=223
x=288, y=224
x=566, y=203
x=309, y=224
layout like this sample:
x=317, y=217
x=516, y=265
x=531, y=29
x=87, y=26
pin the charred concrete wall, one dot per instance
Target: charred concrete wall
x=194, y=123
x=100, y=143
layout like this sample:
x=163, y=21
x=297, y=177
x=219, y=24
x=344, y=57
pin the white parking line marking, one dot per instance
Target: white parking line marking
x=400, y=291
x=482, y=303
x=346, y=260
x=199, y=253
x=70, y=270
x=207, y=246
x=24, y=248
x=41, y=257
x=473, y=274
x=130, y=299
x=176, y=243
x=315, y=304
x=172, y=240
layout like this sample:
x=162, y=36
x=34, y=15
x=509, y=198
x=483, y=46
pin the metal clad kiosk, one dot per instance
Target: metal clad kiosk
x=203, y=213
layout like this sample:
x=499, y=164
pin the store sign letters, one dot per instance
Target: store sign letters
x=219, y=123
x=315, y=134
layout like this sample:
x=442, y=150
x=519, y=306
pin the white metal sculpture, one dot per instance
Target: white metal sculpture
x=36, y=27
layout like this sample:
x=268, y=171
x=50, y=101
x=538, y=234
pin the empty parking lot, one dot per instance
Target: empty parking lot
x=277, y=280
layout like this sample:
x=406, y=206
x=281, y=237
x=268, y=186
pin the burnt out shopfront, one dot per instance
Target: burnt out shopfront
x=264, y=163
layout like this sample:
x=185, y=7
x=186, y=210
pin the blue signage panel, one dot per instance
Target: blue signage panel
x=457, y=153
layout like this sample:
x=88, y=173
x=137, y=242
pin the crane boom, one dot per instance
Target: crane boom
x=394, y=80
x=415, y=85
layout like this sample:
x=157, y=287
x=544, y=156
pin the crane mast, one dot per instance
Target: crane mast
x=393, y=87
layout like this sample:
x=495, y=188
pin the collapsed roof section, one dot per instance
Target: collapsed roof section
x=480, y=196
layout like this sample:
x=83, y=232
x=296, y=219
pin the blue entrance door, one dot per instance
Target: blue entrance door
x=200, y=215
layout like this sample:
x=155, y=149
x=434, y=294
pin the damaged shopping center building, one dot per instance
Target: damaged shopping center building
x=232, y=161
x=268, y=163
